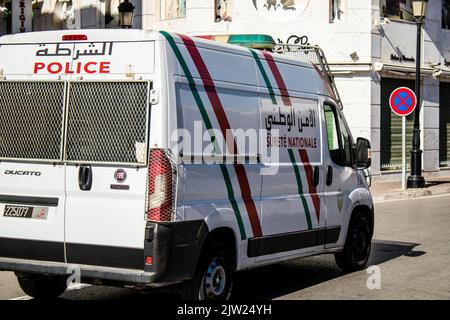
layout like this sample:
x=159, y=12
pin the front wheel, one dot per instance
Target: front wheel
x=356, y=251
x=214, y=276
x=42, y=286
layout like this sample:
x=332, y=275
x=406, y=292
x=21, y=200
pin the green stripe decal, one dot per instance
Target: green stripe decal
x=208, y=125
x=265, y=76
x=234, y=204
x=291, y=154
x=300, y=188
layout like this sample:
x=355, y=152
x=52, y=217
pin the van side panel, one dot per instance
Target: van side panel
x=206, y=182
x=213, y=100
x=206, y=93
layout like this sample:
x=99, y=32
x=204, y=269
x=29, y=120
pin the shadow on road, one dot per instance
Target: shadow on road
x=271, y=281
x=283, y=278
x=383, y=251
x=432, y=183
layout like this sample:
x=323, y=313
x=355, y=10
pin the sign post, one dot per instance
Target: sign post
x=403, y=101
x=403, y=153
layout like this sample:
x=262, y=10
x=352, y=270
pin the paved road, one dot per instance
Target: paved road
x=410, y=247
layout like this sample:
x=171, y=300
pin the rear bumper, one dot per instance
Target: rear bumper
x=174, y=247
x=125, y=276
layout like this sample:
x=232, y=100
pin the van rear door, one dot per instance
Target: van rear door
x=106, y=155
x=32, y=197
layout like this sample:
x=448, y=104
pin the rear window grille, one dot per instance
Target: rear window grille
x=31, y=120
x=106, y=122
x=75, y=122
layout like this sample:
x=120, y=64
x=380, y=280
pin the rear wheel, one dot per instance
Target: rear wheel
x=42, y=286
x=356, y=251
x=214, y=276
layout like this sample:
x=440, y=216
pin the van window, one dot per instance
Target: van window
x=347, y=142
x=339, y=139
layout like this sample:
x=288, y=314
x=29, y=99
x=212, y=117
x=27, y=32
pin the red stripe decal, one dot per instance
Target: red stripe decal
x=303, y=154
x=248, y=200
x=309, y=178
x=225, y=127
x=278, y=78
x=326, y=81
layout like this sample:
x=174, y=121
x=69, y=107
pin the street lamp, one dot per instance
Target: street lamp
x=126, y=14
x=416, y=180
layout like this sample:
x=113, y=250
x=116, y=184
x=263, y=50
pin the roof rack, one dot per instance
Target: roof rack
x=317, y=57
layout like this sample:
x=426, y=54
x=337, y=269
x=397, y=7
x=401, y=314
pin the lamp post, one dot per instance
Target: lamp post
x=416, y=180
x=126, y=14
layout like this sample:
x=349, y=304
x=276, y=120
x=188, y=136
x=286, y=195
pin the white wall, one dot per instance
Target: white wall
x=311, y=18
x=430, y=124
x=399, y=37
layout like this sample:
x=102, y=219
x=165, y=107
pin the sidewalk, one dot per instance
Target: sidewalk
x=391, y=190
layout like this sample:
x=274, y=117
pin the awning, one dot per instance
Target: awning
x=342, y=68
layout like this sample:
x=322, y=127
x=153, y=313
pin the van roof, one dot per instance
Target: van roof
x=93, y=35
x=124, y=35
x=210, y=44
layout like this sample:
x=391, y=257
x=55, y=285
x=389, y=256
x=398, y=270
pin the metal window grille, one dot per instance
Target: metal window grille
x=31, y=120
x=107, y=122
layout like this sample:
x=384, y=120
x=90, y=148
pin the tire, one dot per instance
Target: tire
x=357, y=246
x=42, y=286
x=214, y=276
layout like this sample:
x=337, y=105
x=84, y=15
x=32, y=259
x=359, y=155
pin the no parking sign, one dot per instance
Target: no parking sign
x=403, y=101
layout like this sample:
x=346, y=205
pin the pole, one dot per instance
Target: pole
x=403, y=153
x=415, y=180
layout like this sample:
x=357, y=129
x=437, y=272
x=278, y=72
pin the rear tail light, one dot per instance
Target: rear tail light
x=161, y=186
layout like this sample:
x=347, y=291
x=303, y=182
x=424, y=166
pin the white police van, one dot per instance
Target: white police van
x=145, y=159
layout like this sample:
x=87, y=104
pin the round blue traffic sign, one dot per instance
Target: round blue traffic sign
x=403, y=101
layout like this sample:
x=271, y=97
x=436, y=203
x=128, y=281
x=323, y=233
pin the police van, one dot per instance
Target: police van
x=150, y=159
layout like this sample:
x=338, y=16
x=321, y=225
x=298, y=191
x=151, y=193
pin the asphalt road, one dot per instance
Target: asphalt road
x=410, y=248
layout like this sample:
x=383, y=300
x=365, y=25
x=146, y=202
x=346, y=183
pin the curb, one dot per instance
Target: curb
x=411, y=194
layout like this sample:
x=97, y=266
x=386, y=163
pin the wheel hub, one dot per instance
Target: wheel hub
x=215, y=279
x=360, y=244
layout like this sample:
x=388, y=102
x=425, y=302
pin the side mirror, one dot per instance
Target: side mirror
x=362, y=157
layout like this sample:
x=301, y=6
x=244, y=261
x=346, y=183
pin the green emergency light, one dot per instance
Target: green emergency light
x=254, y=41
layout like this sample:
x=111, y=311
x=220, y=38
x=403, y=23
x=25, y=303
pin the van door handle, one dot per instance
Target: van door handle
x=316, y=176
x=85, y=177
x=329, y=175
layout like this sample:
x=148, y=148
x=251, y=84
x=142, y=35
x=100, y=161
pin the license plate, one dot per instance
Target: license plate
x=25, y=212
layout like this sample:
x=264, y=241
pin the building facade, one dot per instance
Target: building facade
x=370, y=45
